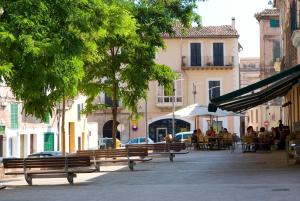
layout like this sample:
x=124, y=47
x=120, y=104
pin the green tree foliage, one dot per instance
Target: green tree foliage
x=43, y=43
x=133, y=38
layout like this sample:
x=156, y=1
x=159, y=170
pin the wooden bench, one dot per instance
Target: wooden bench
x=170, y=149
x=50, y=167
x=130, y=156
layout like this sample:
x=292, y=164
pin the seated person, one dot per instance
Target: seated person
x=211, y=132
x=168, y=138
x=262, y=132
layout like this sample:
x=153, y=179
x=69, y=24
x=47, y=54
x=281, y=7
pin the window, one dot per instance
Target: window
x=142, y=140
x=195, y=54
x=276, y=50
x=14, y=121
x=218, y=49
x=108, y=101
x=79, y=112
x=274, y=23
x=214, y=89
x=164, y=97
x=217, y=125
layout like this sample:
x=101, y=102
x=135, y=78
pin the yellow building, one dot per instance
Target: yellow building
x=206, y=60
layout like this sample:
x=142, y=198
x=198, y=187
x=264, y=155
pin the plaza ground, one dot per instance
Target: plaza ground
x=200, y=175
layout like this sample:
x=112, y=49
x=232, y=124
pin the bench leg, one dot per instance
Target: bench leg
x=28, y=179
x=130, y=165
x=70, y=178
x=172, y=157
x=97, y=167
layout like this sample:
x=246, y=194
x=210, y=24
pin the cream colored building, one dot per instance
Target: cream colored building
x=79, y=134
x=207, y=61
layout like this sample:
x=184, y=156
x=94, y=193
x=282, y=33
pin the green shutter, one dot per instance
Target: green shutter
x=274, y=23
x=14, y=120
x=49, y=141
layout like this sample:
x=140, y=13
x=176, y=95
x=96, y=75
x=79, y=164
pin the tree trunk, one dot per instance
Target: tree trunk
x=114, y=113
x=63, y=143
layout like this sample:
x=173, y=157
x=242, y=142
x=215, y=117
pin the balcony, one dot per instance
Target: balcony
x=207, y=62
x=167, y=101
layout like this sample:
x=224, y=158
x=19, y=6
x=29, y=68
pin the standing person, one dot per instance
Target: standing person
x=280, y=125
x=195, y=140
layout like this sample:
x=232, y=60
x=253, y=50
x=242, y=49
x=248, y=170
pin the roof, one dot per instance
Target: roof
x=224, y=31
x=267, y=13
x=240, y=100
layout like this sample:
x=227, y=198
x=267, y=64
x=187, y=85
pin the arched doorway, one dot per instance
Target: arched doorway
x=107, y=129
x=159, y=129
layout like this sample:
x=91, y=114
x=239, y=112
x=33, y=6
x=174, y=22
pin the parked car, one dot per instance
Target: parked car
x=139, y=140
x=183, y=136
x=46, y=154
x=106, y=143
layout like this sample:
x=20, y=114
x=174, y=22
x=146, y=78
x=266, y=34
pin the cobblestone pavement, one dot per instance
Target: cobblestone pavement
x=200, y=175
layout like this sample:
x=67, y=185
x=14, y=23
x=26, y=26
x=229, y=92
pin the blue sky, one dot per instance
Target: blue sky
x=220, y=12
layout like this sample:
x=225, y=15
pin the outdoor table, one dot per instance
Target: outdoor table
x=214, y=140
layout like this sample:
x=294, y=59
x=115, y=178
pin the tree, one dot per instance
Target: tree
x=45, y=44
x=129, y=48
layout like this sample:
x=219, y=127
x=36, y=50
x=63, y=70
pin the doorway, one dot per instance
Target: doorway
x=161, y=134
x=71, y=137
x=107, y=130
x=33, y=143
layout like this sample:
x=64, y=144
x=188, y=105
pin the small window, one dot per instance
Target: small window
x=214, y=89
x=274, y=23
x=142, y=140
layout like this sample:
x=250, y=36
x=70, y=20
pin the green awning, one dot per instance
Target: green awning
x=246, y=98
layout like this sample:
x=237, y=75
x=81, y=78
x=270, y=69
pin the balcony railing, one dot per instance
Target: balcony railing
x=167, y=101
x=207, y=61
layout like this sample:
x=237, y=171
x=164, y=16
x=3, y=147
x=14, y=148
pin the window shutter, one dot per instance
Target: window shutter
x=78, y=112
x=195, y=54
x=14, y=115
x=218, y=54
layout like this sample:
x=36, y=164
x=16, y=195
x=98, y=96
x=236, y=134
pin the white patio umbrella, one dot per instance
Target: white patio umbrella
x=201, y=111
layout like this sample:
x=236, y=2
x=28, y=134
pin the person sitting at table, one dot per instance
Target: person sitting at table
x=262, y=132
x=211, y=132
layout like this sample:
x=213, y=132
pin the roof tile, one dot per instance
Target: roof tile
x=224, y=31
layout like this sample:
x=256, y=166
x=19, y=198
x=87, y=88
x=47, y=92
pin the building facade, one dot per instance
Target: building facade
x=270, y=43
x=268, y=114
x=22, y=135
x=206, y=60
x=290, y=36
x=249, y=71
